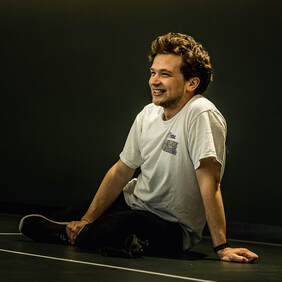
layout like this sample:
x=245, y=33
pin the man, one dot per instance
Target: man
x=178, y=141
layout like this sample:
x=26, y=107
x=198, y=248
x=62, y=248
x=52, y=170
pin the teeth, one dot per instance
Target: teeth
x=158, y=90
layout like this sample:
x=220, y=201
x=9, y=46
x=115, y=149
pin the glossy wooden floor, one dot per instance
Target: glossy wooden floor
x=24, y=260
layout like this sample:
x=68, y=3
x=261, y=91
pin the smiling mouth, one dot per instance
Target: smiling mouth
x=158, y=92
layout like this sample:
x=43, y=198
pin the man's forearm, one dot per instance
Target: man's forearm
x=110, y=188
x=208, y=175
x=215, y=214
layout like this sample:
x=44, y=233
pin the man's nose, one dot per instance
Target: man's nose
x=154, y=80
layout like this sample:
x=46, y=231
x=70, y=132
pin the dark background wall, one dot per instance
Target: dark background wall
x=74, y=75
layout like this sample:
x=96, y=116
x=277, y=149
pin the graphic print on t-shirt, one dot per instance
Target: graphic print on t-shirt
x=170, y=146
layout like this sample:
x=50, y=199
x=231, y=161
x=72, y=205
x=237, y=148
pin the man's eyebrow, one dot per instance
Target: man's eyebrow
x=161, y=70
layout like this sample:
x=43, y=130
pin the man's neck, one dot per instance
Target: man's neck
x=170, y=112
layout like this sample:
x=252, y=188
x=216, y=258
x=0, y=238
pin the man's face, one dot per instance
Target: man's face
x=167, y=82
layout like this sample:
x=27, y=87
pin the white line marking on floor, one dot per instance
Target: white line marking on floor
x=108, y=266
x=6, y=233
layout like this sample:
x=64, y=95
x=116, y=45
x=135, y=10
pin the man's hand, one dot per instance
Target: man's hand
x=237, y=255
x=73, y=229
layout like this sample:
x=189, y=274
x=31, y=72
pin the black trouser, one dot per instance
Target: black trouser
x=120, y=221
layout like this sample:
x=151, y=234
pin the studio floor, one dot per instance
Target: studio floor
x=24, y=260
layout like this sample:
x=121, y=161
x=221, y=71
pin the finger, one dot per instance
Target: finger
x=70, y=225
x=68, y=233
x=248, y=254
x=235, y=258
x=72, y=240
x=252, y=257
x=74, y=227
x=72, y=230
x=79, y=226
x=76, y=232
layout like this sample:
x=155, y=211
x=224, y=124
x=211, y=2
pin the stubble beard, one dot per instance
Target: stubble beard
x=169, y=103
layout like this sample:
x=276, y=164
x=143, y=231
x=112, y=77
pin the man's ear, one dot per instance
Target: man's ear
x=192, y=83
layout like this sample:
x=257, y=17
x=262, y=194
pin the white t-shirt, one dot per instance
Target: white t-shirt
x=168, y=153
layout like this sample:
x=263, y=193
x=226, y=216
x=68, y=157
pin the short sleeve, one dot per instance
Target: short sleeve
x=131, y=154
x=207, y=137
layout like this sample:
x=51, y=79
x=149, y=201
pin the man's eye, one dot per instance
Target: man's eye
x=165, y=74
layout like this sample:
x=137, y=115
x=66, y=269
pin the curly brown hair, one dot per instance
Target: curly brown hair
x=195, y=59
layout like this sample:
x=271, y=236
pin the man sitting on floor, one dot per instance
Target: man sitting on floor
x=178, y=141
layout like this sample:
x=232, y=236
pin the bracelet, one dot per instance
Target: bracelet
x=221, y=247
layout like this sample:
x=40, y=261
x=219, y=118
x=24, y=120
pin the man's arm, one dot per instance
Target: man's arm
x=208, y=176
x=114, y=181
